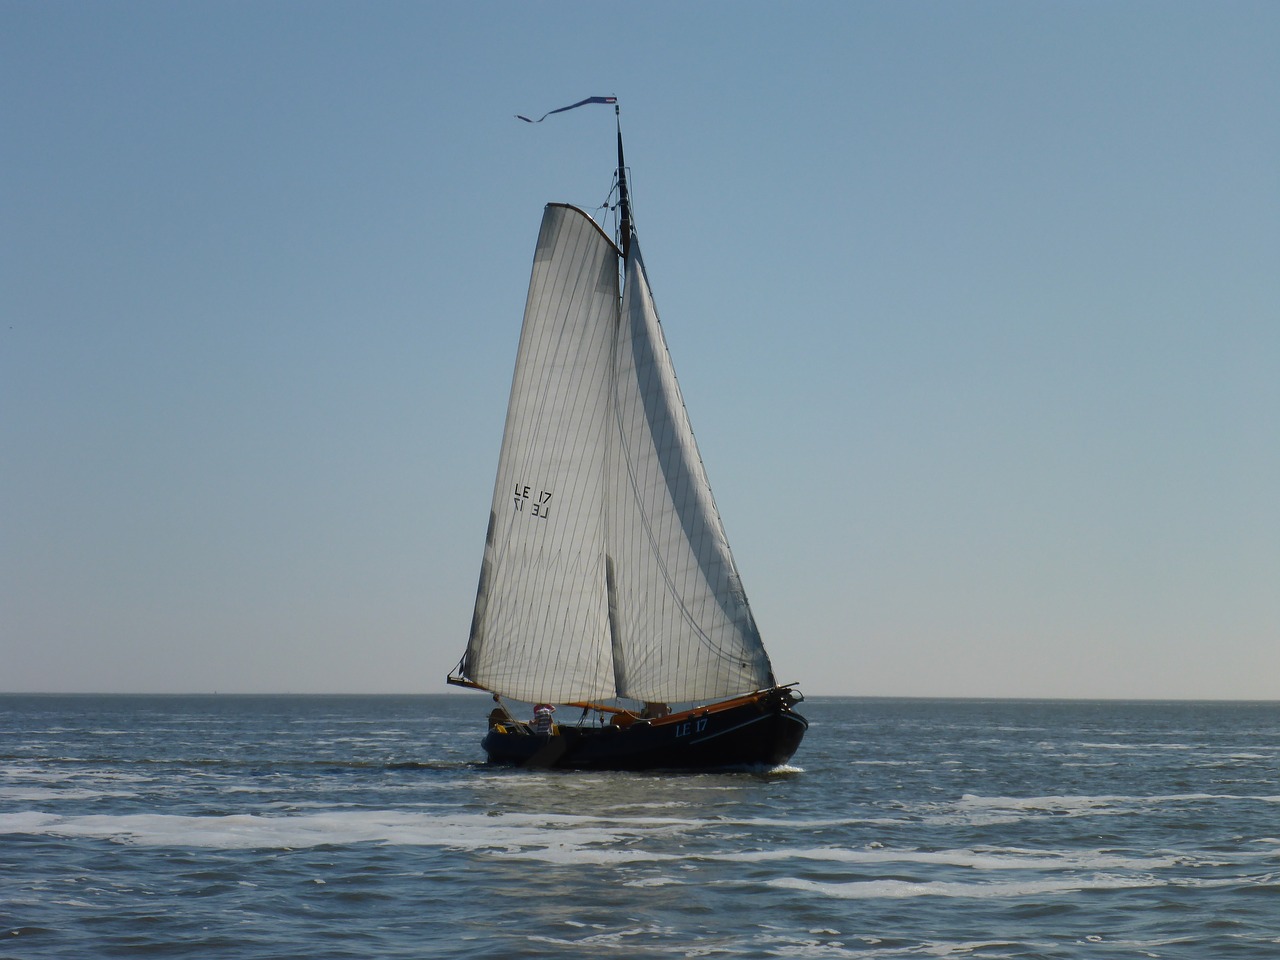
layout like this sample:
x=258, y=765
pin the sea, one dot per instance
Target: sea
x=236, y=827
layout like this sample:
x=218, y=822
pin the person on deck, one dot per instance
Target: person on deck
x=499, y=713
x=542, y=719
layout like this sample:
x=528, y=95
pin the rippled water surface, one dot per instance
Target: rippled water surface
x=328, y=827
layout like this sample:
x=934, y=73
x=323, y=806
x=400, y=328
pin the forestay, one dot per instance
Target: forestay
x=606, y=570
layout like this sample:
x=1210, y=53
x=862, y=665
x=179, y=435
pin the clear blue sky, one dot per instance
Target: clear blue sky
x=976, y=308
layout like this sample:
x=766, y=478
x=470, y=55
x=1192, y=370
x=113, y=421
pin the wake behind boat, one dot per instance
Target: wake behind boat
x=607, y=583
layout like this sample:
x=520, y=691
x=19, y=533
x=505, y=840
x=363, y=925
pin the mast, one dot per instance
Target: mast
x=624, y=201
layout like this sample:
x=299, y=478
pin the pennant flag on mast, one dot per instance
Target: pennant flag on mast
x=571, y=106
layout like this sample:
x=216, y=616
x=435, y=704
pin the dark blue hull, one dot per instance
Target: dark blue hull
x=760, y=730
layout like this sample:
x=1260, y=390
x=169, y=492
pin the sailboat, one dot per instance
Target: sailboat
x=607, y=584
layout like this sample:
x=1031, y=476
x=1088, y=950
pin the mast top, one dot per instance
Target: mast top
x=624, y=199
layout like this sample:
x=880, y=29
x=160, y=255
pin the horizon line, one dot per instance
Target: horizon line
x=813, y=696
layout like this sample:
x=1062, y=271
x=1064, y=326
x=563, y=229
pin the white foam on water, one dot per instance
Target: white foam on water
x=116, y=776
x=979, y=810
x=550, y=839
x=43, y=794
x=1053, y=804
x=28, y=775
x=979, y=859
x=974, y=810
x=904, y=889
x=546, y=838
x=657, y=805
x=560, y=839
x=28, y=821
x=822, y=824
x=611, y=940
x=1142, y=746
x=578, y=853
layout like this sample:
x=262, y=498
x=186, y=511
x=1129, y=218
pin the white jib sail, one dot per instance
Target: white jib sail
x=684, y=629
x=606, y=570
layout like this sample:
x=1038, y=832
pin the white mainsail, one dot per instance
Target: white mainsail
x=606, y=570
x=541, y=627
